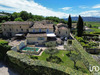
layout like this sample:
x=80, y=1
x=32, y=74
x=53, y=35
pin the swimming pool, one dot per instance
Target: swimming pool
x=30, y=49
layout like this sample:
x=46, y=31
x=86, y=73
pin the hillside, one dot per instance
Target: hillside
x=91, y=19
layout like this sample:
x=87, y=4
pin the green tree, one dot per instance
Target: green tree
x=11, y=18
x=80, y=26
x=69, y=48
x=24, y=15
x=51, y=51
x=75, y=58
x=18, y=19
x=3, y=49
x=50, y=44
x=69, y=22
x=15, y=15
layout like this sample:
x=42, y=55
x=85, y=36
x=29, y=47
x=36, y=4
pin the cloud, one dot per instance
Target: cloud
x=96, y=6
x=30, y=6
x=83, y=7
x=95, y=13
x=66, y=8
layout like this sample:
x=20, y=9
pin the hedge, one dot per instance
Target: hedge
x=23, y=64
x=3, y=49
x=3, y=42
x=86, y=57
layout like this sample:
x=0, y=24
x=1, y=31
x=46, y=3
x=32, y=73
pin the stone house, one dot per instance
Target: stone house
x=37, y=32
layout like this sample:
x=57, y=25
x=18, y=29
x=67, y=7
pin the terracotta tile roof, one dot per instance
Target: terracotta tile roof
x=64, y=28
x=60, y=24
x=43, y=24
x=36, y=35
x=18, y=23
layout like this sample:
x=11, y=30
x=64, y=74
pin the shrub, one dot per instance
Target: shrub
x=50, y=44
x=54, y=59
x=51, y=51
x=80, y=39
x=33, y=57
x=3, y=42
x=3, y=49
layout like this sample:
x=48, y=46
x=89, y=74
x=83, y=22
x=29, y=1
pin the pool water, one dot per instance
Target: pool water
x=30, y=49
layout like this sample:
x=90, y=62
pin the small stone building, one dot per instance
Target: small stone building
x=62, y=30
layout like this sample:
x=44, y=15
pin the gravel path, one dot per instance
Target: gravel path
x=4, y=70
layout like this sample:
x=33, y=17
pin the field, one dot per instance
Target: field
x=66, y=60
x=93, y=26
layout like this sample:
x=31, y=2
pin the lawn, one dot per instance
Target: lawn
x=94, y=24
x=66, y=60
x=95, y=29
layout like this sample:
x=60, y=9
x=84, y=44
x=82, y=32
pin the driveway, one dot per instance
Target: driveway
x=4, y=70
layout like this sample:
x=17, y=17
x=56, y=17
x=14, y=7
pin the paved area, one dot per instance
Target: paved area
x=15, y=42
x=60, y=47
x=4, y=70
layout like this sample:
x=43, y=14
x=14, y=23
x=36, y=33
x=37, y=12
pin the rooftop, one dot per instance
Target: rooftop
x=36, y=35
x=43, y=24
x=18, y=23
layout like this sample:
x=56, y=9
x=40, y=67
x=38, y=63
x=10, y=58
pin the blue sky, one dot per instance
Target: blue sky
x=59, y=8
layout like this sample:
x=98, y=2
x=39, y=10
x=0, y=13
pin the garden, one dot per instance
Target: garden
x=68, y=58
x=88, y=42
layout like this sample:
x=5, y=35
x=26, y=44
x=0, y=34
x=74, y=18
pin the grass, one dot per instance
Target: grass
x=3, y=41
x=94, y=27
x=96, y=30
x=94, y=24
x=66, y=60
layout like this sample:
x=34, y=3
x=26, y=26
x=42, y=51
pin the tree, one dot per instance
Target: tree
x=51, y=51
x=75, y=58
x=69, y=48
x=11, y=18
x=15, y=15
x=69, y=22
x=80, y=26
x=4, y=47
x=50, y=44
x=18, y=19
x=24, y=15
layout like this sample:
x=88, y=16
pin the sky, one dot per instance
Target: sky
x=58, y=8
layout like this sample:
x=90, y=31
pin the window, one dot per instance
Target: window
x=39, y=30
x=16, y=29
x=33, y=30
x=10, y=29
x=59, y=32
x=40, y=38
x=21, y=29
x=47, y=30
x=4, y=29
x=27, y=30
